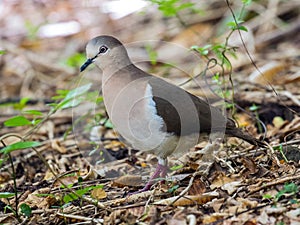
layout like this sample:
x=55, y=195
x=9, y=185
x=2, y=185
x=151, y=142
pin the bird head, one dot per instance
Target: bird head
x=106, y=51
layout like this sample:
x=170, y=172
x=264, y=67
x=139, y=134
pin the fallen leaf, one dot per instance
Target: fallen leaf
x=220, y=180
x=249, y=164
x=98, y=193
x=267, y=73
x=66, y=180
x=188, y=199
x=128, y=180
x=294, y=214
x=231, y=187
x=278, y=121
x=197, y=188
x=207, y=219
x=56, y=145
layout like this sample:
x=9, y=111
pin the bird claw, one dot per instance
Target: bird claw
x=160, y=172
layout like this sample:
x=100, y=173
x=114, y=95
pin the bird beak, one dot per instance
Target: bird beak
x=86, y=64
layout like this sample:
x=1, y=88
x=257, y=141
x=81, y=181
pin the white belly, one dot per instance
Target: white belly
x=134, y=116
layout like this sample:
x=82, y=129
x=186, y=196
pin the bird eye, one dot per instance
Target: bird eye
x=103, y=49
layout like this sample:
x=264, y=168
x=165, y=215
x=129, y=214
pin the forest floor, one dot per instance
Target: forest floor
x=75, y=169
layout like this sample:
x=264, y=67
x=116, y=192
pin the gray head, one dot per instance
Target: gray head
x=106, y=51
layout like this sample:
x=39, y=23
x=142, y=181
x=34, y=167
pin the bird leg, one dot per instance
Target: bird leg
x=160, y=172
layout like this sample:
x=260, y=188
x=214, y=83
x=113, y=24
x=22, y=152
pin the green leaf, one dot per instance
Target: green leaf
x=69, y=103
x=235, y=25
x=174, y=188
x=1, y=162
x=267, y=196
x=78, y=91
x=33, y=112
x=80, y=180
x=202, y=50
x=75, y=60
x=19, y=145
x=36, y=121
x=152, y=54
x=25, y=209
x=32, y=29
x=290, y=188
x=93, y=96
x=6, y=194
x=60, y=94
x=177, y=167
x=254, y=108
x=2, y=52
x=172, y=7
x=71, y=196
x=21, y=105
x=17, y=121
x=246, y=2
x=70, y=98
x=108, y=124
x=243, y=28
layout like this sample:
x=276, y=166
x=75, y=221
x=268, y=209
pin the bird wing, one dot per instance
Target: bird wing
x=185, y=113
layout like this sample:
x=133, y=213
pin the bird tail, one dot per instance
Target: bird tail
x=237, y=132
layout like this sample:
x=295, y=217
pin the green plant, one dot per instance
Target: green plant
x=152, y=55
x=32, y=30
x=217, y=53
x=289, y=190
x=280, y=149
x=67, y=99
x=254, y=108
x=173, y=188
x=79, y=193
x=75, y=60
x=173, y=7
x=25, y=210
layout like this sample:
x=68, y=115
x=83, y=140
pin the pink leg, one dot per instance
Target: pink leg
x=160, y=172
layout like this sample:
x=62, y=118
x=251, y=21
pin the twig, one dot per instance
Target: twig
x=80, y=217
x=273, y=183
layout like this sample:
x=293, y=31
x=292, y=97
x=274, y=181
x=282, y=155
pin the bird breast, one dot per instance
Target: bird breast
x=132, y=111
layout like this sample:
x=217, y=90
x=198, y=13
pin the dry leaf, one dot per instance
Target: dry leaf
x=231, y=187
x=250, y=222
x=249, y=164
x=56, y=145
x=4, y=176
x=44, y=202
x=216, y=204
x=98, y=193
x=188, y=199
x=197, y=188
x=267, y=73
x=90, y=175
x=137, y=211
x=213, y=217
x=247, y=203
x=49, y=175
x=66, y=180
x=294, y=214
x=220, y=180
x=128, y=180
x=278, y=121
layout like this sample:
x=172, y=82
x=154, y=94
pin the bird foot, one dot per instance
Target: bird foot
x=160, y=172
